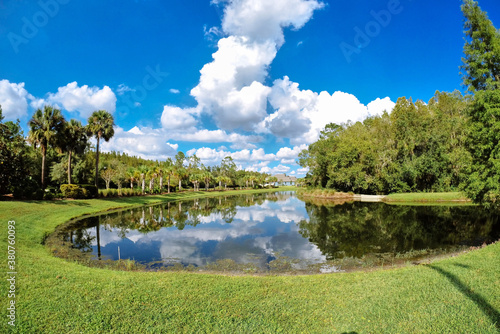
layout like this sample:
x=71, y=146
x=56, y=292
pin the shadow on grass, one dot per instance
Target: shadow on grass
x=483, y=305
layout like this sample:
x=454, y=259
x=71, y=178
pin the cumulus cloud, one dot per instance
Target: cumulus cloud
x=264, y=20
x=301, y=114
x=146, y=143
x=378, y=106
x=13, y=99
x=231, y=87
x=238, y=141
x=251, y=159
x=85, y=99
x=177, y=118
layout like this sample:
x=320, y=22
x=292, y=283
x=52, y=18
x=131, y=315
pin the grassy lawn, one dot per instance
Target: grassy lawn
x=427, y=197
x=456, y=295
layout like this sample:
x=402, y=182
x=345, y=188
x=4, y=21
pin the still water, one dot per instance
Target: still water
x=279, y=231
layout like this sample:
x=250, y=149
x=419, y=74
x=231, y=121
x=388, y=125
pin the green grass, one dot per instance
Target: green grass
x=456, y=295
x=427, y=197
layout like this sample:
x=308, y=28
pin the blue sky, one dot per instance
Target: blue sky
x=253, y=79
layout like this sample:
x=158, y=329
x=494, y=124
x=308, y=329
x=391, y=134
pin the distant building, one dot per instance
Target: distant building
x=285, y=180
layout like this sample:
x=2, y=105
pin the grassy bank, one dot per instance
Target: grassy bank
x=457, y=295
x=428, y=197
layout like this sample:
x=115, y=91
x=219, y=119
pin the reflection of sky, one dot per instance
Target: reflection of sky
x=256, y=235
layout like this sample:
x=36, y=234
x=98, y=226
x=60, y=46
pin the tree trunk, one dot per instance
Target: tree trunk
x=168, y=186
x=161, y=184
x=143, y=184
x=69, y=167
x=44, y=153
x=97, y=161
x=180, y=184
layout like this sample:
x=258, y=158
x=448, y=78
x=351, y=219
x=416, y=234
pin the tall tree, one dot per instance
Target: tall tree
x=74, y=141
x=100, y=124
x=482, y=66
x=482, y=49
x=45, y=127
x=483, y=182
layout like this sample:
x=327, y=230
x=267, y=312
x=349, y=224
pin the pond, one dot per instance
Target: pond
x=275, y=232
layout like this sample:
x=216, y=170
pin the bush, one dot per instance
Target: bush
x=28, y=189
x=91, y=190
x=72, y=191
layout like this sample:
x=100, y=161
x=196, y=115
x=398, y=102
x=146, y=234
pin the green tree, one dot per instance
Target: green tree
x=207, y=177
x=481, y=62
x=483, y=183
x=100, y=124
x=108, y=174
x=45, y=127
x=75, y=141
x=482, y=66
x=16, y=162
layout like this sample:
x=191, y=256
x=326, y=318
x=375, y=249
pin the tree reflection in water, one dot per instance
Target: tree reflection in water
x=277, y=230
x=356, y=229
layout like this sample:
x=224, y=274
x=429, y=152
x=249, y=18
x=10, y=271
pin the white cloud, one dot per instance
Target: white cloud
x=13, y=99
x=146, y=143
x=84, y=99
x=231, y=87
x=263, y=20
x=174, y=91
x=218, y=136
x=301, y=114
x=378, y=106
x=122, y=89
x=177, y=118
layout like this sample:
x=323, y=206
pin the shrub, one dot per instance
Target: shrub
x=28, y=189
x=72, y=191
x=92, y=191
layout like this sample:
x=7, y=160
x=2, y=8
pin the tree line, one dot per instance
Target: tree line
x=57, y=153
x=452, y=142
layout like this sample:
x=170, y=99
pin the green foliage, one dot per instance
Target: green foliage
x=482, y=66
x=483, y=183
x=419, y=147
x=101, y=125
x=46, y=129
x=73, y=191
x=27, y=188
x=15, y=160
x=91, y=190
x=481, y=50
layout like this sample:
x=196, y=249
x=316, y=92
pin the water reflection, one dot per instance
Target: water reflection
x=276, y=230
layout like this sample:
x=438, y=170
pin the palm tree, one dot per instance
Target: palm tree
x=195, y=179
x=45, y=128
x=220, y=179
x=143, y=170
x=226, y=180
x=152, y=174
x=181, y=174
x=170, y=171
x=75, y=141
x=131, y=176
x=207, y=177
x=100, y=125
